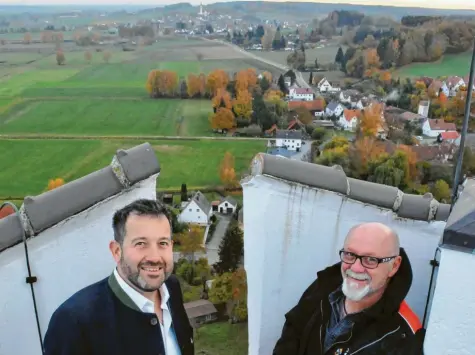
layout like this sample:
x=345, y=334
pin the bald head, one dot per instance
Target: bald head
x=377, y=236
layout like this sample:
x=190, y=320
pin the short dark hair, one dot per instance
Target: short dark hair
x=140, y=207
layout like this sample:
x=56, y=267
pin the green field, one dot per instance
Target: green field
x=107, y=117
x=29, y=164
x=83, y=101
x=456, y=64
x=222, y=339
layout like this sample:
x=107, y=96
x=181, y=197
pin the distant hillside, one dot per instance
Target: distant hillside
x=311, y=10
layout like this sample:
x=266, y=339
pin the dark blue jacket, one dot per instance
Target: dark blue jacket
x=102, y=320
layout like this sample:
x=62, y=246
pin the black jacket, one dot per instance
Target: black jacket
x=102, y=320
x=380, y=330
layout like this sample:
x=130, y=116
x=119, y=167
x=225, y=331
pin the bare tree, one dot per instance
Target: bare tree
x=269, y=34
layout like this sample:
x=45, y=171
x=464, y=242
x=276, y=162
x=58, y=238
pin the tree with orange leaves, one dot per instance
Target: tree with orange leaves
x=411, y=172
x=268, y=76
x=223, y=119
x=193, y=85
x=27, y=38
x=242, y=104
x=55, y=183
x=251, y=78
x=370, y=121
x=161, y=83
x=443, y=100
x=385, y=76
x=364, y=150
x=60, y=58
x=222, y=99
x=242, y=81
x=227, y=173
x=217, y=79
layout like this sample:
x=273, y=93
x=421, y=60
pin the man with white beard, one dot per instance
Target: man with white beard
x=357, y=305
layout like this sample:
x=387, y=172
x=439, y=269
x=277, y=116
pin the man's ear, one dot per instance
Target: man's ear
x=116, y=250
x=396, y=265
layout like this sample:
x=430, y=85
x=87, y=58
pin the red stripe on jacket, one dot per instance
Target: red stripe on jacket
x=410, y=317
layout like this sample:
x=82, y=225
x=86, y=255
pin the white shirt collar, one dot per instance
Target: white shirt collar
x=142, y=302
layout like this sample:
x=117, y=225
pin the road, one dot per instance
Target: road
x=299, y=78
x=213, y=246
x=304, y=152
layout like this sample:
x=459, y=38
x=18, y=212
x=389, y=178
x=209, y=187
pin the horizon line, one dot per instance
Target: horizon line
x=152, y=5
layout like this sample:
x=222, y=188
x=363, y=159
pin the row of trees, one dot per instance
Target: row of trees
x=61, y=58
x=242, y=100
x=402, y=46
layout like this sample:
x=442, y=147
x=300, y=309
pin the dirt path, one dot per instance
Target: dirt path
x=86, y=137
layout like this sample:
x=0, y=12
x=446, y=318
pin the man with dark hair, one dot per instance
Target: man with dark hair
x=139, y=308
x=357, y=306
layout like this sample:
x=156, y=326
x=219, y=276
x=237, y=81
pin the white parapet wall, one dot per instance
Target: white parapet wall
x=451, y=326
x=292, y=230
x=65, y=258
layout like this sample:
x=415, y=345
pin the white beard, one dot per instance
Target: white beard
x=353, y=291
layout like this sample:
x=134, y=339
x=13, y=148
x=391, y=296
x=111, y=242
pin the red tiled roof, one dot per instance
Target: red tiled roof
x=436, y=85
x=453, y=80
x=303, y=91
x=6, y=211
x=441, y=125
x=350, y=114
x=449, y=135
x=314, y=105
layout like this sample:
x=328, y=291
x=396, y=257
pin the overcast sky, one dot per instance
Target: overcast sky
x=441, y=4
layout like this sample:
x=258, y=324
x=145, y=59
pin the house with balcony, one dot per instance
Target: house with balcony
x=291, y=140
x=302, y=94
x=434, y=127
x=197, y=210
x=334, y=108
x=315, y=107
x=349, y=120
x=325, y=86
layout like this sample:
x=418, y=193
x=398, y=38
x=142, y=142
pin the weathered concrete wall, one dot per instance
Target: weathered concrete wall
x=451, y=325
x=291, y=231
x=65, y=258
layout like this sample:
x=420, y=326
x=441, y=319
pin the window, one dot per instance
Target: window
x=197, y=210
x=190, y=209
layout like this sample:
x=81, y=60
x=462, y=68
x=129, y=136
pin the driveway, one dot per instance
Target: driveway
x=303, y=155
x=212, y=247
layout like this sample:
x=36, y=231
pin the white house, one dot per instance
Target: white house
x=449, y=137
x=292, y=140
x=325, y=86
x=423, y=109
x=350, y=97
x=454, y=83
x=434, y=127
x=197, y=211
x=227, y=205
x=301, y=94
x=349, y=120
x=334, y=108
x=439, y=86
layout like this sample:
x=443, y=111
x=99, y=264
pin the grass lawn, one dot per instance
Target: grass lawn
x=222, y=339
x=111, y=117
x=29, y=164
x=455, y=64
x=15, y=84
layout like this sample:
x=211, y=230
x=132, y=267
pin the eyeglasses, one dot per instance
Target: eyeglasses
x=369, y=262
